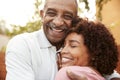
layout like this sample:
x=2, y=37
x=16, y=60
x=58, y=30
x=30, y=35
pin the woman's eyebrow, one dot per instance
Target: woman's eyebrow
x=74, y=41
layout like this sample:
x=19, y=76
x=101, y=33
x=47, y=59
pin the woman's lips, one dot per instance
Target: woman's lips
x=66, y=60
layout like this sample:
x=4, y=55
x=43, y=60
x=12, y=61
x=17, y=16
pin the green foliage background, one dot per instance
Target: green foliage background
x=30, y=26
x=36, y=23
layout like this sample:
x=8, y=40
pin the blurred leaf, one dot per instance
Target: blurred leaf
x=30, y=26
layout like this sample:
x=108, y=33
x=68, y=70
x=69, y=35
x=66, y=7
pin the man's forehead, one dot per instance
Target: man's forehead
x=66, y=4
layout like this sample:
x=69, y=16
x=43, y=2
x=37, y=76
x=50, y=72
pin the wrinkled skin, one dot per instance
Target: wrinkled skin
x=57, y=18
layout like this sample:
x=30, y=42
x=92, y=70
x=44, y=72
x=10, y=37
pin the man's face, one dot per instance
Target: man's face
x=57, y=17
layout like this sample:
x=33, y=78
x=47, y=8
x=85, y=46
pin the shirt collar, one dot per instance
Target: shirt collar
x=42, y=39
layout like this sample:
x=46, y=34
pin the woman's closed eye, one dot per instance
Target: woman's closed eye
x=73, y=46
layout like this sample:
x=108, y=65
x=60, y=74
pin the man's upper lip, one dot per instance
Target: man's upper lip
x=57, y=29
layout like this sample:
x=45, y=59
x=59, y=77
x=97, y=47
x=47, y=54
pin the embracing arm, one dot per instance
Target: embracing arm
x=114, y=76
x=18, y=61
x=115, y=79
x=73, y=76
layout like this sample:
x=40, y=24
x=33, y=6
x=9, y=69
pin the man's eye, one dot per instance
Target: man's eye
x=68, y=17
x=52, y=14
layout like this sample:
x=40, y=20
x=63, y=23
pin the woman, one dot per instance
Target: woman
x=89, y=50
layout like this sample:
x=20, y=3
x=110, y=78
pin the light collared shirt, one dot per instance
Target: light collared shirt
x=30, y=56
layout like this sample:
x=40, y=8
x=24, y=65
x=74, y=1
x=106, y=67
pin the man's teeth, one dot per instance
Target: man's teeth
x=58, y=30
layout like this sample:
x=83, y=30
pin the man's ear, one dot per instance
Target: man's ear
x=41, y=13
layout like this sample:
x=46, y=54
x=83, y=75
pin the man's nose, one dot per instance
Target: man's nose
x=58, y=21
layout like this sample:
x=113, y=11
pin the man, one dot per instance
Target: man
x=31, y=56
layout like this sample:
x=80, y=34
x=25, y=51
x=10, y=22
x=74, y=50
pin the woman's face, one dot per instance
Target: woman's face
x=74, y=51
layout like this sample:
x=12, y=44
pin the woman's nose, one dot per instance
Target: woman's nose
x=64, y=50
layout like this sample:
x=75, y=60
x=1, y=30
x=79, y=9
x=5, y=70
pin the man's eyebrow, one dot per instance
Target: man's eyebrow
x=51, y=9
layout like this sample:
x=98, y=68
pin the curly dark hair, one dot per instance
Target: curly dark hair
x=100, y=43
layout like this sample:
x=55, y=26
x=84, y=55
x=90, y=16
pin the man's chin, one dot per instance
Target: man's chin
x=56, y=41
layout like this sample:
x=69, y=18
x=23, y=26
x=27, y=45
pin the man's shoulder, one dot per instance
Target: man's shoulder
x=23, y=38
x=26, y=35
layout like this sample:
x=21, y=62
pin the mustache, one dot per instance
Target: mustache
x=52, y=25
